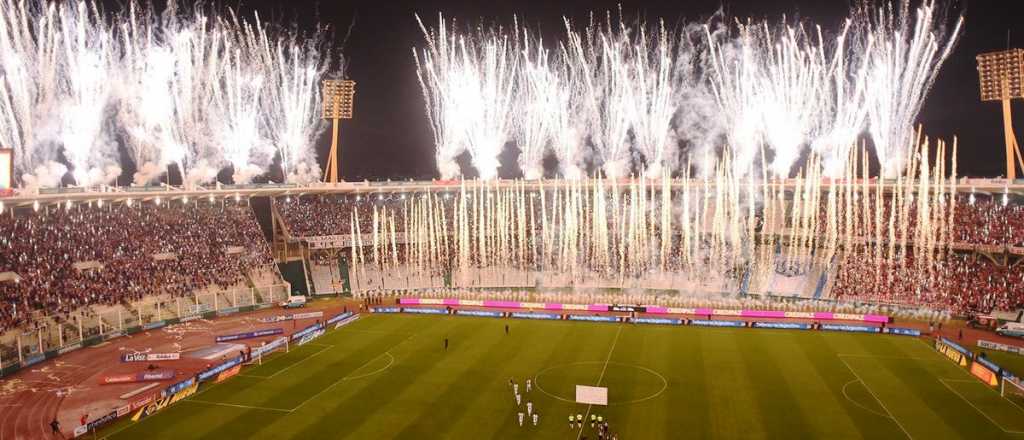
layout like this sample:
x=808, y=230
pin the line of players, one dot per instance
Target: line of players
x=534, y=416
x=595, y=421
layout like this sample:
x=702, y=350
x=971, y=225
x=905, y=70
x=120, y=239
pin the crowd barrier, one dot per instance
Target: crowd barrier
x=654, y=310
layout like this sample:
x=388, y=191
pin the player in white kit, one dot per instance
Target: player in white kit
x=535, y=418
x=515, y=388
x=529, y=408
x=520, y=418
x=529, y=385
x=518, y=399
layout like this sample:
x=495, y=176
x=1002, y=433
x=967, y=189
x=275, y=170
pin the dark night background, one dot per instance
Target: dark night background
x=389, y=136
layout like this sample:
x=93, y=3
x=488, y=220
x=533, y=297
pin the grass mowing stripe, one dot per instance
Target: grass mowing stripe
x=601, y=377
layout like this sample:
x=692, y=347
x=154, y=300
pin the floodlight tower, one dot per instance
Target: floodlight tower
x=338, y=95
x=1000, y=74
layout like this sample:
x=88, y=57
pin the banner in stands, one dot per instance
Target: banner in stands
x=535, y=315
x=142, y=376
x=717, y=323
x=903, y=331
x=338, y=317
x=385, y=309
x=850, y=328
x=480, y=313
x=1001, y=347
x=593, y=318
x=425, y=310
x=665, y=321
x=951, y=353
x=165, y=401
x=782, y=325
x=269, y=347
x=982, y=372
x=150, y=357
x=250, y=335
x=212, y=372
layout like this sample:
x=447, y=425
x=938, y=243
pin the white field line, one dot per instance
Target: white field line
x=876, y=398
x=599, y=379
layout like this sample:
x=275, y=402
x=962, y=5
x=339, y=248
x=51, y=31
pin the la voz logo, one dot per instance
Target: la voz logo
x=134, y=357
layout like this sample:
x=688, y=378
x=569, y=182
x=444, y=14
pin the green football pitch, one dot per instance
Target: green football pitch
x=389, y=376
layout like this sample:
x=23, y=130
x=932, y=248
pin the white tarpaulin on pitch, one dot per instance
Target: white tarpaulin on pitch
x=591, y=395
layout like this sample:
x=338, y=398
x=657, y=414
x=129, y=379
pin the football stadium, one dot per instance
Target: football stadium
x=561, y=222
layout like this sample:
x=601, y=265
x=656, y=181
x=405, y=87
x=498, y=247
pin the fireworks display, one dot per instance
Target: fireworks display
x=625, y=98
x=191, y=87
x=734, y=232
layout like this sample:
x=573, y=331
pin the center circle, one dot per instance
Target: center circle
x=626, y=383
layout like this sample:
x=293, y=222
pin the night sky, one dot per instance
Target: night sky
x=390, y=136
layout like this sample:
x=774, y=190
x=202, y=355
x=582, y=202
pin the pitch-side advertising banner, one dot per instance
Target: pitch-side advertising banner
x=250, y=335
x=143, y=376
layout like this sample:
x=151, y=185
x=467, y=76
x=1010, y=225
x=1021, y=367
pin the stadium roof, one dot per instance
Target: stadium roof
x=49, y=196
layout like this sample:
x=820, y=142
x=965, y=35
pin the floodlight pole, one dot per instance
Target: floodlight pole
x=1001, y=75
x=337, y=98
x=331, y=174
x=1012, y=149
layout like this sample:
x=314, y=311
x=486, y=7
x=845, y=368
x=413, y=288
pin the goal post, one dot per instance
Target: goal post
x=1012, y=389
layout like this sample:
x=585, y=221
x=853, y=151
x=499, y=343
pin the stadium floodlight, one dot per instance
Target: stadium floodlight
x=1000, y=74
x=337, y=97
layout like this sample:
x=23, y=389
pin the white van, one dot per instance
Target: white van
x=294, y=302
x=1013, y=329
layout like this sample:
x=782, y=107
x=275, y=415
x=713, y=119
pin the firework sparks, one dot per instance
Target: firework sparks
x=179, y=87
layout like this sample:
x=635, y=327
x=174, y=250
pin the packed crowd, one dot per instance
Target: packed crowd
x=322, y=215
x=69, y=257
x=966, y=283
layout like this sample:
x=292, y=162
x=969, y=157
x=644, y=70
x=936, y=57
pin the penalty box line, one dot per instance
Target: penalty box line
x=957, y=393
x=867, y=387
